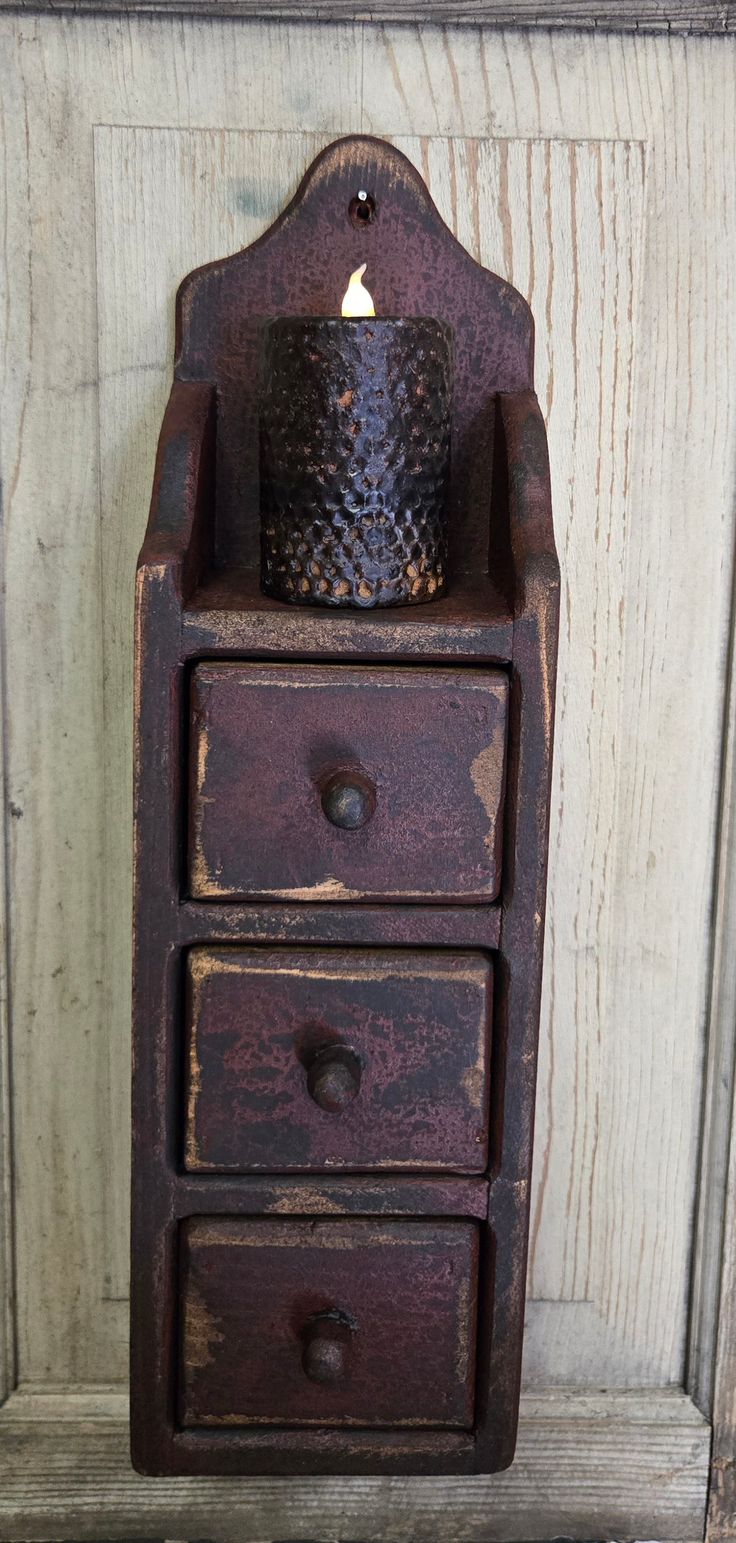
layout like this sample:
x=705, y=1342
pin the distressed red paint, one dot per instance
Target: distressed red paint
x=409, y=1029
x=428, y=747
x=328, y=1406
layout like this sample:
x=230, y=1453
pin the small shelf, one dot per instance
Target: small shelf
x=229, y=614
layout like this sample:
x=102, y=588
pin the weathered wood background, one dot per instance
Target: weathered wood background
x=693, y=16
x=597, y=174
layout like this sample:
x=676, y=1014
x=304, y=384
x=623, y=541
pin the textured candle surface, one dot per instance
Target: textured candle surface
x=355, y=451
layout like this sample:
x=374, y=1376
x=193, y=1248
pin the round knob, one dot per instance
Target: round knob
x=348, y=800
x=333, y=1078
x=326, y=1347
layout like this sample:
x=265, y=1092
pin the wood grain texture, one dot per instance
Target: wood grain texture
x=721, y=1521
x=713, y=1336
x=637, y=1463
x=53, y=827
x=713, y=1280
x=690, y=16
x=136, y=384
x=7, y=1241
x=457, y=173
x=9, y=404
x=71, y=1076
x=611, y=909
x=642, y=474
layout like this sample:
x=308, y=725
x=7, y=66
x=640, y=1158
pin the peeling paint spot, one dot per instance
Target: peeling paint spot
x=201, y=1336
x=486, y=773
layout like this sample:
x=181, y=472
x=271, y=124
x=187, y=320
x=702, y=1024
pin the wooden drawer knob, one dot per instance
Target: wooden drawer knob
x=348, y=800
x=326, y=1347
x=333, y=1078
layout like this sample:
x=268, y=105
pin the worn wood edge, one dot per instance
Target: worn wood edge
x=7, y=1261
x=616, y=1465
x=721, y=1513
x=7, y=1265
x=712, y=1366
x=716, y=1192
x=7, y=1250
x=679, y=16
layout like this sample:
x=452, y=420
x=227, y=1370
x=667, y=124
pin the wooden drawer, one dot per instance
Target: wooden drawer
x=346, y=782
x=345, y=1322
x=329, y=1058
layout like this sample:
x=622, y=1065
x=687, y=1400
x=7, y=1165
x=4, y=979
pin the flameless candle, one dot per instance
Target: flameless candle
x=356, y=301
x=355, y=442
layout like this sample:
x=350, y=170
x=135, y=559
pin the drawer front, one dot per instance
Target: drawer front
x=327, y=1322
x=337, y=1059
x=346, y=783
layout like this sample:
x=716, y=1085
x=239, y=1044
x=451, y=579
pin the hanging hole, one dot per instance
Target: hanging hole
x=362, y=209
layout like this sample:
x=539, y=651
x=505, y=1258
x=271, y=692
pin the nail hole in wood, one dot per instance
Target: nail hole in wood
x=362, y=209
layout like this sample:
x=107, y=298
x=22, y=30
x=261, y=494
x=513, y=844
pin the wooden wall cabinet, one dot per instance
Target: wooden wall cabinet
x=594, y=172
x=336, y=1029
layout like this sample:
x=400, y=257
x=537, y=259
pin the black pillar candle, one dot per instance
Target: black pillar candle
x=355, y=449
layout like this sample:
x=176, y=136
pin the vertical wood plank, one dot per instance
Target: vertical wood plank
x=11, y=398
x=53, y=748
x=7, y=1241
x=71, y=1029
x=677, y=600
x=712, y=1351
x=711, y=1287
x=649, y=536
x=159, y=213
x=721, y=1522
x=566, y=221
x=645, y=516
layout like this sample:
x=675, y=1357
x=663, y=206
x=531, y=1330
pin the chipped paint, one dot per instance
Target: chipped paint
x=494, y=334
x=420, y=1026
x=464, y=1323
x=322, y=677
x=322, y=1422
x=202, y=879
x=192, y=1158
x=348, y=1234
x=305, y=1199
x=486, y=775
x=227, y=959
x=327, y=889
x=201, y=1334
x=250, y=628
x=474, y=1080
x=236, y=706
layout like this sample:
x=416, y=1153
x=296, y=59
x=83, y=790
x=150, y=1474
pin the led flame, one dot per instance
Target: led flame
x=357, y=301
